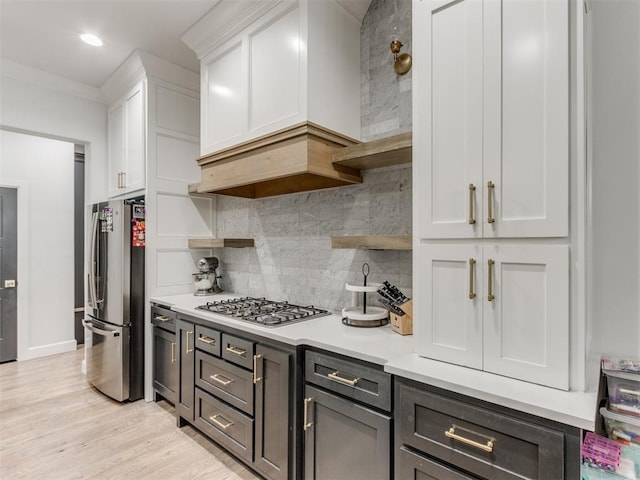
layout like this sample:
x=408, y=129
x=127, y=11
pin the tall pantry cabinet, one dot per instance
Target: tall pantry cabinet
x=491, y=186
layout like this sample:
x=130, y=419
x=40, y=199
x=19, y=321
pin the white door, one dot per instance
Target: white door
x=526, y=118
x=116, y=160
x=448, y=118
x=526, y=324
x=448, y=303
x=134, y=177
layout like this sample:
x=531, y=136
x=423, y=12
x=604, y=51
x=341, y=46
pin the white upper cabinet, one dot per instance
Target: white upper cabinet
x=277, y=64
x=491, y=118
x=127, y=137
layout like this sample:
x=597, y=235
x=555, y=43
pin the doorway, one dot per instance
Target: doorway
x=78, y=242
x=8, y=274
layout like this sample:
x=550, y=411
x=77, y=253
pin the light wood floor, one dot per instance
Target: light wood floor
x=54, y=425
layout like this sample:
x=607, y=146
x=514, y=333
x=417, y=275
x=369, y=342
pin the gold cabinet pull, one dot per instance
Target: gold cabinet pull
x=119, y=181
x=221, y=379
x=490, y=196
x=207, y=340
x=188, y=350
x=472, y=195
x=223, y=426
x=256, y=378
x=306, y=425
x=346, y=381
x=124, y=179
x=236, y=351
x=173, y=352
x=472, y=273
x=486, y=447
x=161, y=318
x=490, y=264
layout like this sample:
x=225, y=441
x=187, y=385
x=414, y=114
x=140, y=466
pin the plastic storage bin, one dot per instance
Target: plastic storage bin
x=621, y=427
x=624, y=392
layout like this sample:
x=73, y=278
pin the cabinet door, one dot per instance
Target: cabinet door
x=134, y=173
x=418, y=467
x=448, y=118
x=116, y=162
x=448, y=303
x=272, y=412
x=165, y=364
x=526, y=325
x=526, y=118
x=344, y=440
x=186, y=368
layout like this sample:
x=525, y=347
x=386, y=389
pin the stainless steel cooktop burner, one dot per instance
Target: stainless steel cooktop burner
x=262, y=311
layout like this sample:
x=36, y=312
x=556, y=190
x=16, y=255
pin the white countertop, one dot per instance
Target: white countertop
x=384, y=347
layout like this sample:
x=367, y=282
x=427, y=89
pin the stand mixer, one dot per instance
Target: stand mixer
x=207, y=280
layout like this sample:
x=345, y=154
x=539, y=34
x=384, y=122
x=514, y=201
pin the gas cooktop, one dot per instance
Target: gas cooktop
x=262, y=311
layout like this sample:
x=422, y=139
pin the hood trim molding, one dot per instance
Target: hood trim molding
x=291, y=160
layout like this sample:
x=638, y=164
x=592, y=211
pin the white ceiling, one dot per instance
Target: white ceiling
x=44, y=34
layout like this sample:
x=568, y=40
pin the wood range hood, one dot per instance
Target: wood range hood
x=291, y=160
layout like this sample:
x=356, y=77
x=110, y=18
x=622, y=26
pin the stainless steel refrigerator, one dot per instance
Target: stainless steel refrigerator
x=115, y=352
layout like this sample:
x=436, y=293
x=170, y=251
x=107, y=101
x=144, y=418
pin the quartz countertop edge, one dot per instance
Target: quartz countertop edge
x=394, y=352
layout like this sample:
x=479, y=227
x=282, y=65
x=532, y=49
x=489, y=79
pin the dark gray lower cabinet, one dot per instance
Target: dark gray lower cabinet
x=165, y=364
x=414, y=466
x=343, y=439
x=185, y=406
x=445, y=436
x=239, y=389
x=272, y=412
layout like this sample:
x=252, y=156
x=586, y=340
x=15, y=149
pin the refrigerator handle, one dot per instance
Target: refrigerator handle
x=98, y=331
x=93, y=303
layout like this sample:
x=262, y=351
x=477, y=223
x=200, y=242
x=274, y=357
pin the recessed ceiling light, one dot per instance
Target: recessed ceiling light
x=91, y=39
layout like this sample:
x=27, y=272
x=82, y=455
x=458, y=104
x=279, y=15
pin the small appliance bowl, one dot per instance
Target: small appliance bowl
x=203, y=282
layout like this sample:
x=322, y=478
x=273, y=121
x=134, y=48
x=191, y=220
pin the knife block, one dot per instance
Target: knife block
x=403, y=324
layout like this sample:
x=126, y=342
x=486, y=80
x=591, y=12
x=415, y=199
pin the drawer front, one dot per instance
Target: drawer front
x=225, y=425
x=237, y=350
x=477, y=440
x=163, y=318
x=412, y=465
x=226, y=381
x=208, y=340
x=362, y=383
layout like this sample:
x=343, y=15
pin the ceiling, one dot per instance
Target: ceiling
x=44, y=34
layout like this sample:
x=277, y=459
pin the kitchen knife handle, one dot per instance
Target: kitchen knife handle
x=490, y=197
x=490, y=264
x=306, y=425
x=472, y=196
x=472, y=274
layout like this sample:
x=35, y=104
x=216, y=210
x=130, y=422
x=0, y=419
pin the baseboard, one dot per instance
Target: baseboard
x=51, y=349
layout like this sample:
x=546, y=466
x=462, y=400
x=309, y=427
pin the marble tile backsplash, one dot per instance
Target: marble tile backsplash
x=293, y=259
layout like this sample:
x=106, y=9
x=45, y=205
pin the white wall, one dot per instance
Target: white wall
x=37, y=102
x=615, y=161
x=42, y=170
x=42, y=104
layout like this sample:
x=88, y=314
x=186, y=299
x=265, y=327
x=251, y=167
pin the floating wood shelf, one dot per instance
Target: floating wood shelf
x=221, y=242
x=374, y=242
x=388, y=151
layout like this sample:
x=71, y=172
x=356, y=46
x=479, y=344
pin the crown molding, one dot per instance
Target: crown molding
x=225, y=20
x=141, y=64
x=49, y=81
